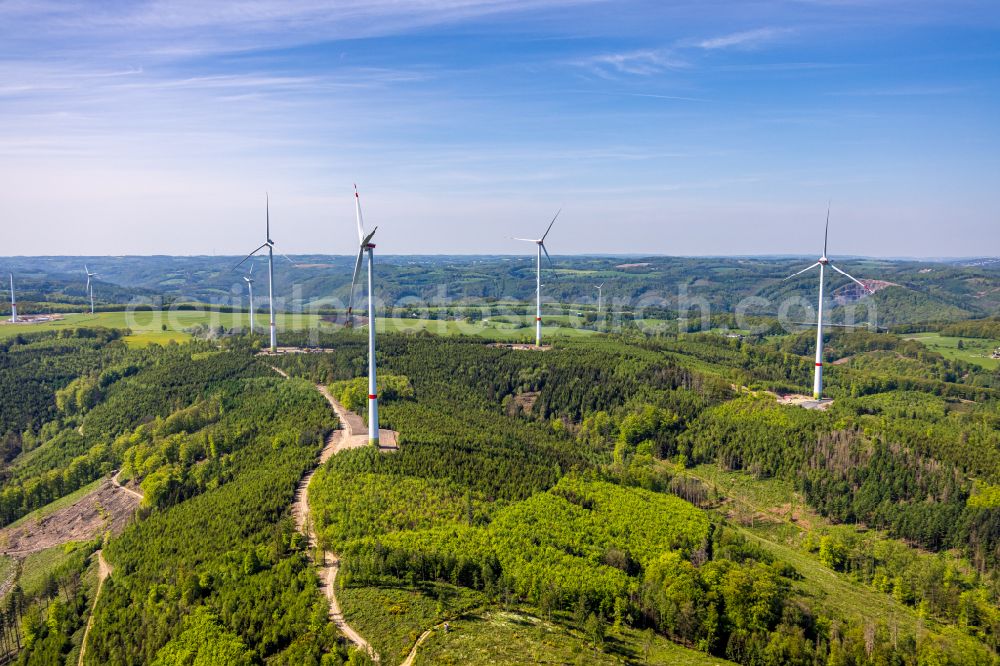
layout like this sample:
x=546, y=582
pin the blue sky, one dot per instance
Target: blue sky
x=658, y=127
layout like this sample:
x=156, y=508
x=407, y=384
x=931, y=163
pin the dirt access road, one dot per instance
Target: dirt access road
x=345, y=437
x=103, y=571
x=411, y=657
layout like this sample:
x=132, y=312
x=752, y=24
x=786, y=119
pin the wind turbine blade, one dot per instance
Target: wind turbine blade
x=267, y=214
x=802, y=271
x=289, y=259
x=367, y=239
x=550, y=225
x=354, y=279
x=249, y=255
x=826, y=234
x=862, y=284
x=527, y=240
x=546, y=254
x=360, y=219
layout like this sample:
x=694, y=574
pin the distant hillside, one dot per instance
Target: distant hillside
x=909, y=291
x=43, y=292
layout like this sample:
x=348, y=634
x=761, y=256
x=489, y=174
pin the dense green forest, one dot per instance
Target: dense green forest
x=567, y=485
x=879, y=458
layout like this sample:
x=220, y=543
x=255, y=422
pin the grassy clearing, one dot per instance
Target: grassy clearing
x=393, y=616
x=52, y=507
x=7, y=566
x=505, y=637
x=38, y=565
x=975, y=350
x=768, y=499
x=771, y=499
x=835, y=594
x=838, y=595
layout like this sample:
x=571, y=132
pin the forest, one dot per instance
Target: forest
x=567, y=485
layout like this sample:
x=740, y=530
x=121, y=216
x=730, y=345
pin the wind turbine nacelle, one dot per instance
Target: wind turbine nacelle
x=823, y=260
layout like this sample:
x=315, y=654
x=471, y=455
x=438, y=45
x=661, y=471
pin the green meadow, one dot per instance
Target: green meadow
x=161, y=327
x=974, y=350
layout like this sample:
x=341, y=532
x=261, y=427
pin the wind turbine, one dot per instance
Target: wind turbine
x=269, y=244
x=369, y=247
x=90, y=287
x=13, y=301
x=248, y=278
x=823, y=263
x=540, y=242
x=599, y=294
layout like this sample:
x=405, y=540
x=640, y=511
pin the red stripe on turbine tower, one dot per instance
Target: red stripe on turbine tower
x=819, y=365
x=372, y=397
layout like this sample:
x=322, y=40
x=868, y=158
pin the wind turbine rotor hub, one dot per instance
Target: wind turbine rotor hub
x=824, y=261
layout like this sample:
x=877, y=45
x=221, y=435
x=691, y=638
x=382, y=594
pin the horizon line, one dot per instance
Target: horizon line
x=612, y=255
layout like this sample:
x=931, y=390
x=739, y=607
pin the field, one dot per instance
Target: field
x=161, y=327
x=975, y=350
x=499, y=328
x=148, y=326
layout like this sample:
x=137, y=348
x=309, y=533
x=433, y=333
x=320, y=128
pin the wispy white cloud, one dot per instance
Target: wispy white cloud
x=747, y=39
x=172, y=29
x=647, y=62
x=641, y=62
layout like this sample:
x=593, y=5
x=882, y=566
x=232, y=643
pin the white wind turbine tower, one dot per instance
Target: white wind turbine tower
x=269, y=244
x=540, y=242
x=90, y=287
x=599, y=294
x=248, y=278
x=13, y=301
x=369, y=247
x=823, y=263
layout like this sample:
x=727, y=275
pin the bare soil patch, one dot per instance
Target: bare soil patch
x=519, y=346
x=526, y=401
x=109, y=507
x=804, y=401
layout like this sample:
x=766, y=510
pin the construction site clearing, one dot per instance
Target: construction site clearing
x=32, y=319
